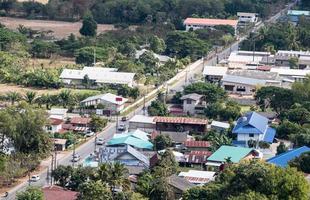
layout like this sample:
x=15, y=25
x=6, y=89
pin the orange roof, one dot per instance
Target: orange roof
x=212, y=22
x=80, y=120
x=56, y=192
x=180, y=120
x=55, y=121
x=197, y=144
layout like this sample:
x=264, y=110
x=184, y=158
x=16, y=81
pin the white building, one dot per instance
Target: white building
x=282, y=58
x=58, y=113
x=219, y=126
x=291, y=74
x=214, y=74
x=142, y=122
x=98, y=76
x=203, y=23
x=55, y=125
x=193, y=103
x=241, y=59
x=111, y=102
x=198, y=177
x=244, y=17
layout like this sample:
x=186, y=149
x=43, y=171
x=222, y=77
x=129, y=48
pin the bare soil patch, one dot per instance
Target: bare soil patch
x=60, y=29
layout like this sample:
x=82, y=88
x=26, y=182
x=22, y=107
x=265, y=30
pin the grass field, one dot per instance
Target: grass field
x=60, y=29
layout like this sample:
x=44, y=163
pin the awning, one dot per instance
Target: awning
x=213, y=164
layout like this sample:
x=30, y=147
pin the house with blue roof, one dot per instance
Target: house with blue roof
x=283, y=159
x=253, y=126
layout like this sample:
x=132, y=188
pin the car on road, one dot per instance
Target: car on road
x=76, y=158
x=100, y=141
x=121, y=127
x=125, y=118
x=89, y=133
x=35, y=178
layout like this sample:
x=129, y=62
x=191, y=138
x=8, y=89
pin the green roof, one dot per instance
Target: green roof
x=235, y=153
x=132, y=141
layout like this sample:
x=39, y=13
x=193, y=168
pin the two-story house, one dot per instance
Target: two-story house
x=253, y=126
x=193, y=103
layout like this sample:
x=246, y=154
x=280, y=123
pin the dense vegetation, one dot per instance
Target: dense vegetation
x=280, y=36
x=141, y=11
x=253, y=180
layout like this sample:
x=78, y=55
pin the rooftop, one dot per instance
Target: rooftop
x=55, y=121
x=192, y=96
x=181, y=120
x=251, y=122
x=80, y=120
x=179, y=183
x=112, y=98
x=283, y=159
x=51, y=192
x=234, y=153
x=298, y=12
x=243, y=80
x=130, y=140
x=198, y=177
x=207, y=21
x=290, y=72
x=142, y=119
x=198, y=157
x=194, y=143
x=220, y=124
x=255, y=74
x=214, y=71
x=246, y=14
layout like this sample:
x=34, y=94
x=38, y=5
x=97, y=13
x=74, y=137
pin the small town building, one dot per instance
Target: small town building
x=244, y=59
x=283, y=58
x=295, y=15
x=193, y=145
x=60, y=144
x=110, y=103
x=291, y=75
x=56, y=192
x=58, y=113
x=198, y=177
x=98, y=76
x=196, y=159
x=231, y=154
x=54, y=126
x=138, y=141
x=142, y=122
x=193, y=104
x=214, y=74
x=204, y=23
x=79, y=124
x=246, y=18
x=181, y=124
x=253, y=126
x=176, y=137
x=178, y=186
x=283, y=159
x=219, y=126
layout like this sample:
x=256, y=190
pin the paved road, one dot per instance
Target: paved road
x=87, y=148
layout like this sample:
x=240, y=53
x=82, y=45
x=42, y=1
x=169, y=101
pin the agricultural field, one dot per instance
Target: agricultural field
x=60, y=29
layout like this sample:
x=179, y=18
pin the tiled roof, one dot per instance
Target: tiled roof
x=55, y=121
x=194, y=143
x=213, y=22
x=80, y=120
x=283, y=159
x=235, y=153
x=181, y=120
x=56, y=192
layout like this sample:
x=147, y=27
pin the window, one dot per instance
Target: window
x=251, y=135
x=240, y=89
x=188, y=101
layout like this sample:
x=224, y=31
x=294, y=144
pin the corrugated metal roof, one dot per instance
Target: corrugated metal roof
x=214, y=71
x=80, y=120
x=197, y=144
x=251, y=122
x=283, y=159
x=197, y=156
x=130, y=140
x=109, y=97
x=243, y=80
x=220, y=124
x=212, y=22
x=192, y=96
x=181, y=120
x=234, y=153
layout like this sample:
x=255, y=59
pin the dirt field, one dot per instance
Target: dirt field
x=60, y=29
x=40, y=1
x=50, y=63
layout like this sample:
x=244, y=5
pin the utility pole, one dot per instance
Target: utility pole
x=95, y=142
x=144, y=108
x=52, y=167
x=116, y=127
x=73, y=153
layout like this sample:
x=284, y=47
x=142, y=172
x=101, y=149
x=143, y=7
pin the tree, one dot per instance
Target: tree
x=13, y=97
x=287, y=128
x=65, y=98
x=302, y=162
x=162, y=142
x=43, y=49
x=211, y=92
x=293, y=62
x=86, y=81
x=30, y=97
x=150, y=62
x=251, y=195
x=157, y=44
x=253, y=179
x=217, y=139
x=167, y=165
x=157, y=108
x=94, y=190
x=134, y=93
x=97, y=123
x=62, y=175
x=297, y=114
x=281, y=148
x=85, y=55
x=31, y=193
x=89, y=26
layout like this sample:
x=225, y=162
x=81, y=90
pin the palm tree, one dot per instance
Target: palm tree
x=13, y=97
x=30, y=97
x=115, y=174
x=65, y=97
x=45, y=99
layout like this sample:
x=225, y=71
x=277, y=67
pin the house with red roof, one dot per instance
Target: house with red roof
x=204, y=23
x=193, y=145
x=54, y=126
x=55, y=192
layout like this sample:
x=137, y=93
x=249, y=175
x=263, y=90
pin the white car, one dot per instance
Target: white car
x=76, y=158
x=100, y=141
x=121, y=127
x=35, y=178
x=89, y=134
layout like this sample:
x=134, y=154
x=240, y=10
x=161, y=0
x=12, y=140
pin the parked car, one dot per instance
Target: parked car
x=121, y=127
x=76, y=158
x=100, y=141
x=35, y=178
x=125, y=118
x=89, y=133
